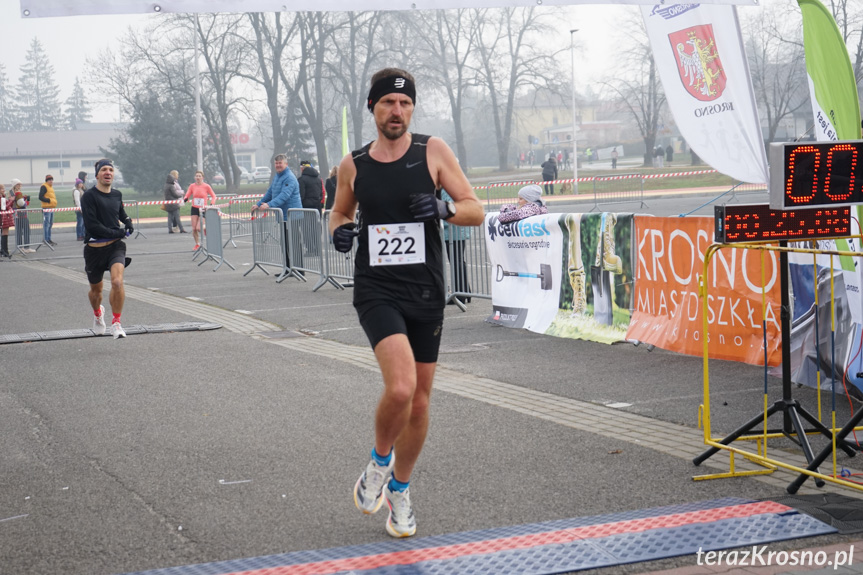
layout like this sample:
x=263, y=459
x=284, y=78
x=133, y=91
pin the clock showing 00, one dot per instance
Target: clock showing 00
x=816, y=174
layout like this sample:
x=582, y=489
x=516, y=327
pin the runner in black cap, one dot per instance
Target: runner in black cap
x=399, y=290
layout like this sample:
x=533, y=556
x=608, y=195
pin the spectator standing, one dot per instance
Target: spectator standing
x=6, y=220
x=614, y=155
x=283, y=194
x=79, y=217
x=22, y=222
x=530, y=203
x=331, y=184
x=198, y=192
x=549, y=173
x=455, y=238
x=173, y=192
x=669, y=154
x=311, y=187
x=49, y=202
x=658, y=157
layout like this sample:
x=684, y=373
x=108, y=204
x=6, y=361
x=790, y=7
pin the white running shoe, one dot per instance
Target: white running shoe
x=402, y=522
x=369, y=490
x=117, y=330
x=99, y=321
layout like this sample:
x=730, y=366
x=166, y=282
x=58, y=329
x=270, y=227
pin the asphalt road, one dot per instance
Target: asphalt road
x=190, y=447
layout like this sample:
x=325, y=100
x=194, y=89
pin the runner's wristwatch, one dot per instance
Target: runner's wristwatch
x=450, y=209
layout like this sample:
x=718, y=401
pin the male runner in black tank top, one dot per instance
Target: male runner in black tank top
x=399, y=288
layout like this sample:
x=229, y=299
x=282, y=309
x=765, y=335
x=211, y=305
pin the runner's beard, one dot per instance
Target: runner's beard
x=393, y=133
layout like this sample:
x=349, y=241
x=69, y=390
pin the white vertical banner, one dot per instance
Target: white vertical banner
x=698, y=51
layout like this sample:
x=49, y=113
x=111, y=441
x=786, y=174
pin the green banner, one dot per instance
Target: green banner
x=832, y=86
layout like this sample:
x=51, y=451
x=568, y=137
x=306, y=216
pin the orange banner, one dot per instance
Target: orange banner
x=668, y=312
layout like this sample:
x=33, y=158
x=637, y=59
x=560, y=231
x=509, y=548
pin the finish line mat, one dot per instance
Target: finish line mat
x=548, y=547
x=130, y=330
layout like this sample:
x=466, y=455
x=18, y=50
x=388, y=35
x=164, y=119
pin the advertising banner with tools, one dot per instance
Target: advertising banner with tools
x=668, y=312
x=567, y=275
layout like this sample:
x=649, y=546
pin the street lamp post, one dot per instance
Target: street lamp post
x=574, y=120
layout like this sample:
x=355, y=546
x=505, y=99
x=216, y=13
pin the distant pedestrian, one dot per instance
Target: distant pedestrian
x=6, y=220
x=22, y=221
x=331, y=184
x=658, y=157
x=669, y=154
x=76, y=197
x=549, y=173
x=49, y=202
x=614, y=156
x=172, y=193
x=311, y=187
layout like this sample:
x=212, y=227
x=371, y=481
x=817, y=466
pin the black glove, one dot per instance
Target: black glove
x=426, y=207
x=130, y=229
x=343, y=237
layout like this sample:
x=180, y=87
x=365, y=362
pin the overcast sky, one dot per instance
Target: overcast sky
x=68, y=41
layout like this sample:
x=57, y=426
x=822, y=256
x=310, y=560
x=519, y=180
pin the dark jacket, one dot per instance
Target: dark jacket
x=171, y=194
x=311, y=188
x=549, y=169
x=331, y=191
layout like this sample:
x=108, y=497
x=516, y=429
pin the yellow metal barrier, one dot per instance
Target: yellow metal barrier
x=760, y=456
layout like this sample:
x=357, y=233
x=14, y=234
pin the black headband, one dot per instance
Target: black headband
x=388, y=85
x=102, y=163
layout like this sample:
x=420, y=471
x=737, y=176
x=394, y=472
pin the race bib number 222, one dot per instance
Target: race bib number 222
x=397, y=244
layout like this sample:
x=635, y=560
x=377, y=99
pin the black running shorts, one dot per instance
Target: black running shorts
x=196, y=211
x=383, y=319
x=97, y=261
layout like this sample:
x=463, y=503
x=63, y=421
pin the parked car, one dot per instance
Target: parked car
x=261, y=174
x=219, y=179
x=245, y=176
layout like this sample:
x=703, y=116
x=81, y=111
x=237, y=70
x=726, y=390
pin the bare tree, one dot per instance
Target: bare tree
x=510, y=59
x=225, y=62
x=448, y=40
x=776, y=64
x=273, y=36
x=356, y=52
x=639, y=91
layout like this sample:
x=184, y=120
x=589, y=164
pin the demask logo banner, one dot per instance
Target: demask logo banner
x=668, y=312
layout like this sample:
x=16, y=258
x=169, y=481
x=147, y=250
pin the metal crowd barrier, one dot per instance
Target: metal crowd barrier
x=338, y=267
x=239, y=218
x=617, y=189
x=29, y=235
x=213, y=245
x=136, y=217
x=467, y=269
x=268, y=242
x=304, y=242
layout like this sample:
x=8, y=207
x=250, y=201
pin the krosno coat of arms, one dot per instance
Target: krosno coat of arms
x=698, y=62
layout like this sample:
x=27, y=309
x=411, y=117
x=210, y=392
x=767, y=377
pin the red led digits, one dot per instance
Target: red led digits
x=844, y=191
x=754, y=223
x=816, y=174
x=805, y=180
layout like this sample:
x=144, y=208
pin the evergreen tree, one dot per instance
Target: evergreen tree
x=37, y=93
x=160, y=138
x=77, y=107
x=7, y=105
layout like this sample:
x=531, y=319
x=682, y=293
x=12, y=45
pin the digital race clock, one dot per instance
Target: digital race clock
x=734, y=223
x=816, y=174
